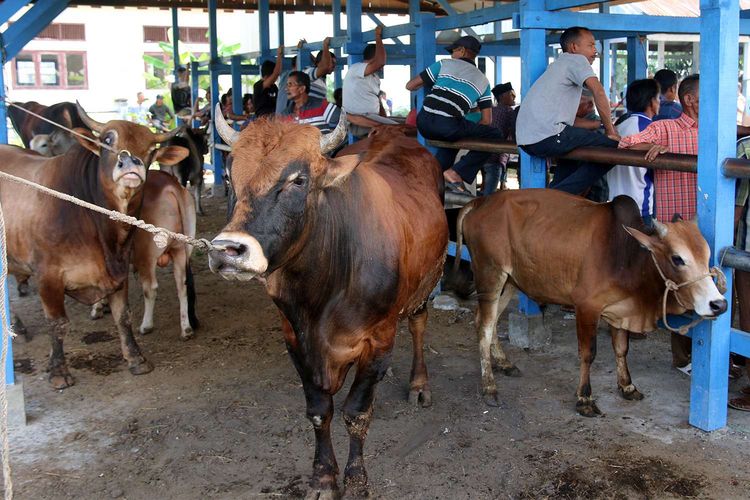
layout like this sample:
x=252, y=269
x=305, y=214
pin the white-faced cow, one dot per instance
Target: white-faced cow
x=346, y=248
x=69, y=249
x=165, y=204
x=561, y=249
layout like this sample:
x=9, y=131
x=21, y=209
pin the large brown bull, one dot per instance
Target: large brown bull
x=57, y=141
x=69, y=249
x=346, y=248
x=561, y=249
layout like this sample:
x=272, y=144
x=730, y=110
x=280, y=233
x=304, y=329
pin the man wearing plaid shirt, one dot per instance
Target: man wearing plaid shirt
x=675, y=192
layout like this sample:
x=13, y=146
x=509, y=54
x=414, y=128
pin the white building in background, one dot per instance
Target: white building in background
x=95, y=54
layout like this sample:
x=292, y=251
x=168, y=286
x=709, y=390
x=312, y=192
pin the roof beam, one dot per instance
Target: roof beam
x=607, y=22
x=570, y=4
x=10, y=7
x=477, y=17
x=452, y=12
x=30, y=25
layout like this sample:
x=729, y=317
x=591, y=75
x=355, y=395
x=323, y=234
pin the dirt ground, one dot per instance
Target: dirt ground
x=223, y=415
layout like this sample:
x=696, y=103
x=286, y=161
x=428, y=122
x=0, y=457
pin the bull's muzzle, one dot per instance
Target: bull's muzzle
x=237, y=256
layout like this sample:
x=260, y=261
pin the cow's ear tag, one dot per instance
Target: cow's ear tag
x=339, y=169
x=91, y=146
x=642, y=238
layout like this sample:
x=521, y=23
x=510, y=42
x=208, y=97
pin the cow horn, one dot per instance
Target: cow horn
x=227, y=133
x=331, y=141
x=661, y=229
x=87, y=120
x=164, y=137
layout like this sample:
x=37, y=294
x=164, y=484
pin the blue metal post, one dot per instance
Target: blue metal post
x=30, y=25
x=264, y=29
x=533, y=169
x=303, y=57
x=280, y=20
x=637, y=61
x=5, y=329
x=605, y=69
x=413, y=18
x=213, y=48
x=10, y=7
x=194, y=88
x=426, y=49
x=336, y=4
x=175, y=42
x=237, y=88
x=355, y=46
x=498, y=30
x=716, y=141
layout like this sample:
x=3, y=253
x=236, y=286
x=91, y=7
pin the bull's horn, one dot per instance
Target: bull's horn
x=331, y=141
x=227, y=133
x=164, y=137
x=87, y=120
x=661, y=229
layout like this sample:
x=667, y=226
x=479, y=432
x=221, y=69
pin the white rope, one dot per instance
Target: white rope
x=161, y=235
x=7, y=334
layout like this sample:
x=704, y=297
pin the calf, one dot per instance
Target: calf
x=599, y=258
x=346, y=248
x=72, y=250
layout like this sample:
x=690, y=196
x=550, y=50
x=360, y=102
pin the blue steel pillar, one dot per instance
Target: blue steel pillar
x=280, y=21
x=216, y=154
x=426, y=48
x=355, y=46
x=337, y=32
x=175, y=43
x=716, y=141
x=236, y=69
x=194, y=88
x=637, y=62
x=264, y=30
x=5, y=329
x=533, y=169
x=605, y=68
x=498, y=30
x=413, y=18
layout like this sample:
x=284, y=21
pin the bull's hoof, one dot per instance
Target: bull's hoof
x=187, y=334
x=61, y=379
x=145, y=330
x=490, y=398
x=512, y=371
x=23, y=289
x=588, y=408
x=631, y=393
x=141, y=368
x=323, y=494
x=96, y=313
x=355, y=482
x=420, y=397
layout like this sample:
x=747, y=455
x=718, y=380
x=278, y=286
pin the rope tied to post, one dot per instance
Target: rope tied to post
x=671, y=286
x=5, y=327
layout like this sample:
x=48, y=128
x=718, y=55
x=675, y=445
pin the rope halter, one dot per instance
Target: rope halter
x=671, y=286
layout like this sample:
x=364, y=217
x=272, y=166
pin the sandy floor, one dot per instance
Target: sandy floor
x=222, y=416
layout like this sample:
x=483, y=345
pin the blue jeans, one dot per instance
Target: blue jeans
x=443, y=128
x=491, y=173
x=572, y=177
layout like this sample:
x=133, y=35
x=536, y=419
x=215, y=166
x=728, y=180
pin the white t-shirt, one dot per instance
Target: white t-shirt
x=360, y=94
x=552, y=102
x=636, y=182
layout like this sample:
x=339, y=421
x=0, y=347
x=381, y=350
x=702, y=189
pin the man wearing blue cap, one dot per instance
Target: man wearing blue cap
x=457, y=86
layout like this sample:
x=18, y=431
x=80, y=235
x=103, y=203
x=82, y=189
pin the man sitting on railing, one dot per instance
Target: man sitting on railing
x=546, y=119
x=304, y=108
x=457, y=87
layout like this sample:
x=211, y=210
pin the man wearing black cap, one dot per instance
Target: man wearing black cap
x=457, y=87
x=180, y=93
x=503, y=119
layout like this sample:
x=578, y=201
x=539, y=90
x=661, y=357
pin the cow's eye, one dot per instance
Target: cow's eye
x=108, y=139
x=677, y=261
x=300, y=180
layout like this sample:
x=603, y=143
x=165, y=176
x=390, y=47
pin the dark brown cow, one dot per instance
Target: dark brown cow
x=346, y=248
x=562, y=249
x=28, y=126
x=69, y=249
x=165, y=204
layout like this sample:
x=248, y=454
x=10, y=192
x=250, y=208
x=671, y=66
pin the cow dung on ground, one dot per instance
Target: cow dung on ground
x=222, y=416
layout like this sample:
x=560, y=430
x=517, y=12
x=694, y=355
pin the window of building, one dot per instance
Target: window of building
x=50, y=70
x=187, y=34
x=63, y=31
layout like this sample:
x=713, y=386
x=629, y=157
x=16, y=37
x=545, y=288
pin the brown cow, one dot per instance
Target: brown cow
x=169, y=205
x=561, y=249
x=28, y=126
x=69, y=249
x=346, y=248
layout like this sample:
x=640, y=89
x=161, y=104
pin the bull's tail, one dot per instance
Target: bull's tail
x=460, y=233
x=190, y=283
x=188, y=217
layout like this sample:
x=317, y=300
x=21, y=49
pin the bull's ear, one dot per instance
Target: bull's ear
x=171, y=155
x=645, y=240
x=66, y=119
x=92, y=145
x=339, y=169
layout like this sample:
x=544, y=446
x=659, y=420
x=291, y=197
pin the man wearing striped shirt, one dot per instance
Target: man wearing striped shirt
x=457, y=86
x=306, y=109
